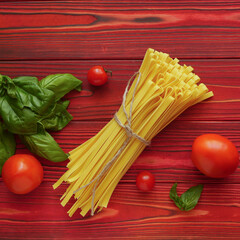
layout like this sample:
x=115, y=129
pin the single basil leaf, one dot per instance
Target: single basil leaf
x=173, y=192
x=174, y=196
x=19, y=121
x=30, y=94
x=7, y=145
x=191, y=196
x=188, y=199
x=44, y=145
x=61, y=84
x=59, y=118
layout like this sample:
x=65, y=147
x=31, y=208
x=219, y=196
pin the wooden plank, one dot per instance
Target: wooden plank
x=75, y=30
x=131, y=214
x=186, y=4
x=221, y=76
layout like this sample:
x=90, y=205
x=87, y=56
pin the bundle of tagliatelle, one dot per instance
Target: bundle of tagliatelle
x=161, y=90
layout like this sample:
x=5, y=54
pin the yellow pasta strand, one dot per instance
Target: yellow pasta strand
x=162, y=90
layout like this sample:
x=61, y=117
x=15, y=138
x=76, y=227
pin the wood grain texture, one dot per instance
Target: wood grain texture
x=94, y=30
x=130, y=215
x=38, y=38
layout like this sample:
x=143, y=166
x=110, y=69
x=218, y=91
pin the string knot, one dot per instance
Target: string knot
x=130, y=132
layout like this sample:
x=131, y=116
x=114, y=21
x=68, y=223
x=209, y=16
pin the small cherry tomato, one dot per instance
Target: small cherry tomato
x=145, y=181
x=97, y=75
x=22, y=173
x=214, y=155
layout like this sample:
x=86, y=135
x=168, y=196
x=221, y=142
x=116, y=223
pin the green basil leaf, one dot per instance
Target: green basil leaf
x=44, y=145
x=31, y=95
x=191, y=196
x=7, y=145
x=173, y=192
x=19, y=121
x=174, y=196
x=61, y=84
x=59, y=118
x=188, y=199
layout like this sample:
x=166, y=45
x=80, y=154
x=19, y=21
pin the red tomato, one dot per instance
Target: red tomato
x=214, y=155
x=97, y=75
x=22, y=173
x=145, y=181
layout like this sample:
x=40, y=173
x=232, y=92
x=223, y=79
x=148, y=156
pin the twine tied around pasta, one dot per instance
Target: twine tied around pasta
x=129, y=133
x=127, y=127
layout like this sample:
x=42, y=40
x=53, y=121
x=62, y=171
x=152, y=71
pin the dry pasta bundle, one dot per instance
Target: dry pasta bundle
x=161, y=90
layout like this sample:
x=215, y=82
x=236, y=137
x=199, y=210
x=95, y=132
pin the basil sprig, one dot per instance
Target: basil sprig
x=189, y=199
x=29, y=108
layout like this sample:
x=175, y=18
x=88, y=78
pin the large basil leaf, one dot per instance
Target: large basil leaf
x=44, y=145
x=7, y=145
x=19, y=121
x=30, y=94
x=191, y=196
x=59, y=118
x=61, y=84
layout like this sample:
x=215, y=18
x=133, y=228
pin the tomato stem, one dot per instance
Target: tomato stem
x=108, y=71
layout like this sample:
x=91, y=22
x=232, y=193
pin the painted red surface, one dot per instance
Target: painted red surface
x=39, y=38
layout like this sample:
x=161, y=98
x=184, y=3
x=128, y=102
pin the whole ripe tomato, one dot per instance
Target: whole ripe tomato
x=22, y=173
x=97, y=75
x=214, y=155
x=145, y=181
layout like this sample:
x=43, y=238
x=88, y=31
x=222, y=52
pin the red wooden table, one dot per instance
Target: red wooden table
x=39, y=38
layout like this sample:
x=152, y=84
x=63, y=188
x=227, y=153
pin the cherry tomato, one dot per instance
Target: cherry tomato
x=145, y=181
x=214, y=155
x=22, y=173
x=97, y=75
